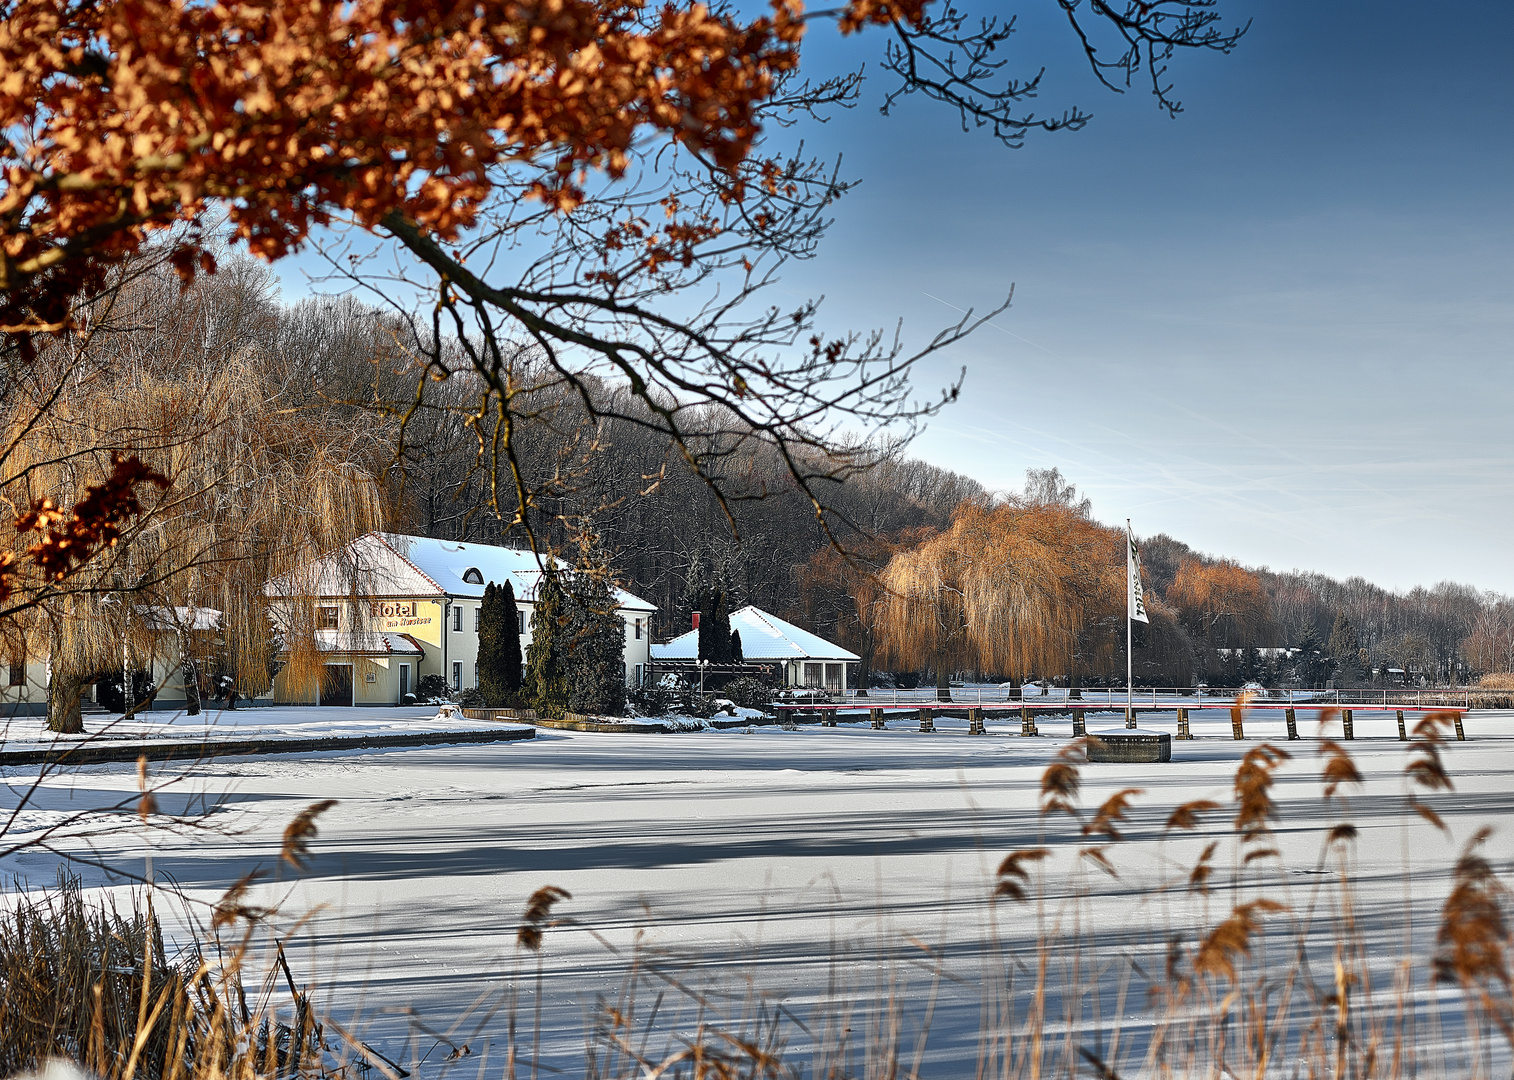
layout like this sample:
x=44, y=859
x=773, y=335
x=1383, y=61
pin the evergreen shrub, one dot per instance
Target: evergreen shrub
x=110, y=692
x=748, y=692
x=499, y=670
x=432, y=686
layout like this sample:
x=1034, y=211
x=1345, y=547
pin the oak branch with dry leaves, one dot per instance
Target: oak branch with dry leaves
x=593, y=178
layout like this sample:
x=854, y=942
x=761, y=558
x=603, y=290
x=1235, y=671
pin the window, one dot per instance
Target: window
x=327, y=618
x=18, y=674
x=638, y=629
x=472, y=576
x=457, y=618
x=457, y=674
x=520, y=622
x=478, y=618
x=475, y=676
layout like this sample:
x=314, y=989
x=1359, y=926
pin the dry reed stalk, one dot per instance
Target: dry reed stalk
x=1238, y=1016
x=1235, y=994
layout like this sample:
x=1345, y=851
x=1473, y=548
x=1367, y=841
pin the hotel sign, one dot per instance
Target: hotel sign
x=402, y=615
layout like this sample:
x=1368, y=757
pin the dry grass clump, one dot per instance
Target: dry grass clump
x=99, y=986
x=1494, y=691
x=88, y=982
x=74, y=981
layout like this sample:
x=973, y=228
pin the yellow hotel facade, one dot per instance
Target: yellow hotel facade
x=419, y=615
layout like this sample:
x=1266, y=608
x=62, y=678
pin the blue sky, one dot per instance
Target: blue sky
x=1277, y=327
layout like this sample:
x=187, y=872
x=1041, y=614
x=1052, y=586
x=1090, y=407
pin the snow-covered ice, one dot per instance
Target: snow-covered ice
x=787, y=857
x=257, y=721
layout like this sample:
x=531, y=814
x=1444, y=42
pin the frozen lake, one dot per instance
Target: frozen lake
x=780, y=862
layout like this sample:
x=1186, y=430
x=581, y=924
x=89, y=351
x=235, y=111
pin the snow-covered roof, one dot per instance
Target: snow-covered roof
x=363, y=643
x=393, y=564
x=763, y=637
x=181, y=618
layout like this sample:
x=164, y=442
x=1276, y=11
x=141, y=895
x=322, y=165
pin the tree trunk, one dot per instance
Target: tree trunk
x=943, y=680
x=865, y=668
x=63, y=715
x=191, y=675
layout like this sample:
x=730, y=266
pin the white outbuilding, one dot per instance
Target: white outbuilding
x=805, y=659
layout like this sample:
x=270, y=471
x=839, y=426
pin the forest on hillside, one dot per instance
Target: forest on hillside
x=328, y=407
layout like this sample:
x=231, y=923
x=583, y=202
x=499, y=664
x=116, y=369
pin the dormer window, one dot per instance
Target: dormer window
x=472, y=576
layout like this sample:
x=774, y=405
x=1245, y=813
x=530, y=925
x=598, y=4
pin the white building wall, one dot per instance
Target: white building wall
x=460, y=664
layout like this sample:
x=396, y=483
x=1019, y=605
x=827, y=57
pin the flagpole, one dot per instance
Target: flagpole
x=1129, y=590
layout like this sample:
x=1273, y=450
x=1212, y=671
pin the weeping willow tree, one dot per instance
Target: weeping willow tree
x=1014, y=588
x=246, y=489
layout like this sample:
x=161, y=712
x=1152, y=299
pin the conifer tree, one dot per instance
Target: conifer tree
x=736, y=654
x=706, y=627
x=1313, y=666
x=1344, y=648
x=595, y=645
x=499, y=646
x=723, y=631
x=546, y=685
x=714, y=628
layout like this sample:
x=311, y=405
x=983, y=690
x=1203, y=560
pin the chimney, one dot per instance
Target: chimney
x=696, y=620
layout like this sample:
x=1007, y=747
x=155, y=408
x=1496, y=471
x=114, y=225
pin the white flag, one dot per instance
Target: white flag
x=1135, y=594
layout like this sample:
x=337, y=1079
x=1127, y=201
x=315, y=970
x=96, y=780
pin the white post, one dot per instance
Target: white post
x=1128, y=664
x=1129, y=595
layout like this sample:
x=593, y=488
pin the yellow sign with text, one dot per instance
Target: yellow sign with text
x=419, y=619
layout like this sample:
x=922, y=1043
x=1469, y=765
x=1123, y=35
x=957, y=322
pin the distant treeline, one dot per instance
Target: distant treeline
x=670, y=534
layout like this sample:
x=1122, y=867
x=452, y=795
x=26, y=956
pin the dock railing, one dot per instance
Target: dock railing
x=1146, y=697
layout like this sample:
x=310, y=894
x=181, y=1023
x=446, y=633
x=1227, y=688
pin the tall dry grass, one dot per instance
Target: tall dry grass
x=95, y=983
x=1242, y=971
x=1494, y=691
